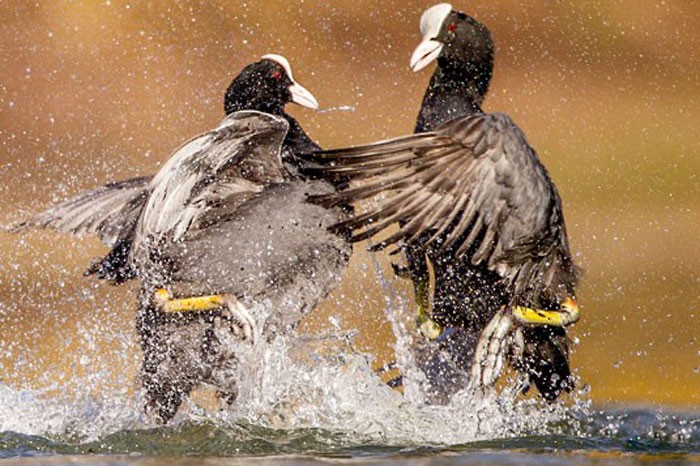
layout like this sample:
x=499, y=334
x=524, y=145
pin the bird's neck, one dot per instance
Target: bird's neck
x=296, y=142
x=246, y=101
x=452, y=93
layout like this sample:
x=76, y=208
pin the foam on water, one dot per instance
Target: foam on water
x=33, y=413
x=349, y=397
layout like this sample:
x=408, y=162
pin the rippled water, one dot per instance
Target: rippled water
x=636, y=436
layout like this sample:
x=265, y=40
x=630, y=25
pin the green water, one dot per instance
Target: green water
x=605, y=437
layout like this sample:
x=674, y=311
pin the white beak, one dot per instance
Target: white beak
x=426, y=52
x=430, y=24
x=302, y=96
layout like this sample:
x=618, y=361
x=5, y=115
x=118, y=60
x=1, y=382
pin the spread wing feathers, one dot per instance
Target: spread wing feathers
x=109, y=211
x=473, y=186
x=239, y=157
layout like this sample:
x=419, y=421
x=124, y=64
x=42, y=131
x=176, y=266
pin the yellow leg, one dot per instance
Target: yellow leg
x=427, y=326
x=567, y=315
x=198, y=303
x=419, y=274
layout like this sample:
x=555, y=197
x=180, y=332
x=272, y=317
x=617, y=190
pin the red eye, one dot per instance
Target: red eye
x=451, y=27
x=277, y=74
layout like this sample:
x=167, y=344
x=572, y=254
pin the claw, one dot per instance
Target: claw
x=239, y=320
x=567, y=315
x=242, y=323
x=428, y=327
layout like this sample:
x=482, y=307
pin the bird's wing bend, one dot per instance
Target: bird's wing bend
x=239, y=157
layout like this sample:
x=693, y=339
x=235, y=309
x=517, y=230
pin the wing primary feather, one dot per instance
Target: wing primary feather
x=360, y=170
x=487, y=243
x=367, y=218
x=461, y=201
x=428, y=214
x=408, y=209
x=466, y=219
x=104, y=211
x=412, y=228
x=393, y=145
x=359, y=193
x=392, y=182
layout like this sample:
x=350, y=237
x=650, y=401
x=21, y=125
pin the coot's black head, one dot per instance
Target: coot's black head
x=460, y=44
x=267, y=86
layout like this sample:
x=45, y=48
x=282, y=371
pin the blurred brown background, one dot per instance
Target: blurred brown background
x=607, y=91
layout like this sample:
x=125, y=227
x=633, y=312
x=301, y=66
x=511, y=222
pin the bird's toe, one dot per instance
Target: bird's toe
x=241, y=322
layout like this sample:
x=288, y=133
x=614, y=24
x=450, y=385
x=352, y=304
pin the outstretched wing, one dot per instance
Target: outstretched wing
x=109, y=211
x=237, y=159
x=474, y=187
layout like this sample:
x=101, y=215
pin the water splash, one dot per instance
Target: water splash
x=319, y=395
x=339, y=108
x=298, y=394
x=291, y=384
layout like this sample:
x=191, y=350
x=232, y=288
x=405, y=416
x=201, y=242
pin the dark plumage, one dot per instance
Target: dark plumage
x=473, y=200
x=112, y=211
x=231, y=220
x=225, y=215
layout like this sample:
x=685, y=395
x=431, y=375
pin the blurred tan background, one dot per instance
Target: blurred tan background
x=607, y=91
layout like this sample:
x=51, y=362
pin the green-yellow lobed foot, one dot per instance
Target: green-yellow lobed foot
x=194, y=304
x=567, y=315
x=235, y=317
x=426, y=325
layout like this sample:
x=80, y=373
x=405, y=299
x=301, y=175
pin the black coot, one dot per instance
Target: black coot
x=223, y=227
x=472, y=200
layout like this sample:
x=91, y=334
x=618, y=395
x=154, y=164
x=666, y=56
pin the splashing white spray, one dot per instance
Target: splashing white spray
x=291, y=383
